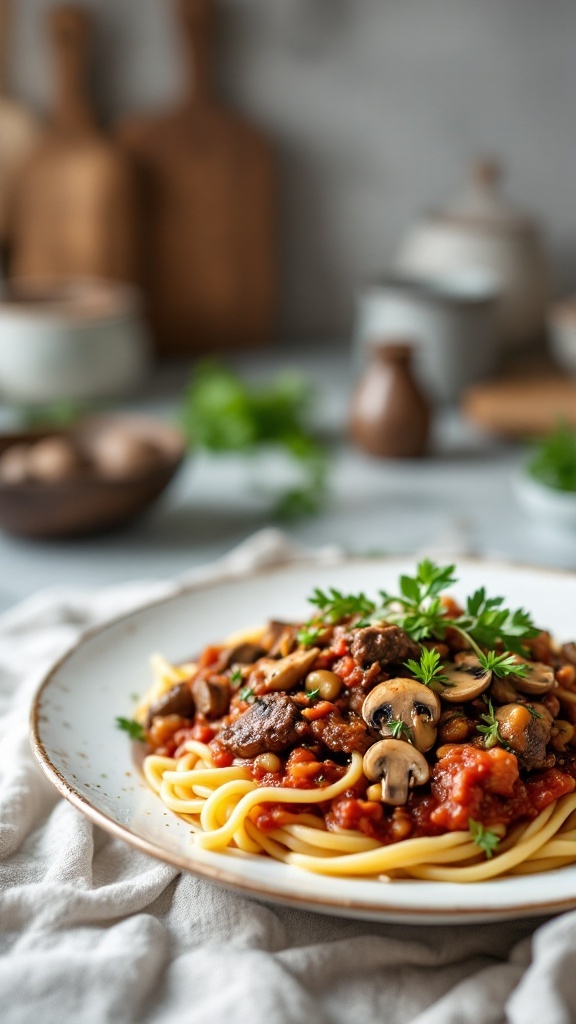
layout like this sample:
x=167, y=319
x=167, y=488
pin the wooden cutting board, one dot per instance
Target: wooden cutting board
x=523, y=406
x=208, y=197
x=75, y=205
x=19, y=129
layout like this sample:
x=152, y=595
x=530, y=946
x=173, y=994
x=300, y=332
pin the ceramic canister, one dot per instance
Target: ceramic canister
x=452, y=320
x=81, y=340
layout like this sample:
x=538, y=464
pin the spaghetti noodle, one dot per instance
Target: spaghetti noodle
x=304, y=743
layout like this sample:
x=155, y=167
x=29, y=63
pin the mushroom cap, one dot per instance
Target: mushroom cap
x=405, y=700
x=399, y=766
x=539, y=677
x=467, y=680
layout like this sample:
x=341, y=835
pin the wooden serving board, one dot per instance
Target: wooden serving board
x=208, y=193
x=20, y=130
x=75, y=205
x=523, y=406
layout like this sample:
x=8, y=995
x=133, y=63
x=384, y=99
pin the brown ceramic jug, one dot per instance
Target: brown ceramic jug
x=389, y=415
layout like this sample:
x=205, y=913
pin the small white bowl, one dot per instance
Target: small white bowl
x=557, y=508
x=562, y=334
x=75, y=340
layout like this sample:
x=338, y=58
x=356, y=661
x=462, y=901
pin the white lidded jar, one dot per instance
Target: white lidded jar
x=480, y=230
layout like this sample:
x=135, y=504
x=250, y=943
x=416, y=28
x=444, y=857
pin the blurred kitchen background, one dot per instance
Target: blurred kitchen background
x=375, y=108
x=364, y=209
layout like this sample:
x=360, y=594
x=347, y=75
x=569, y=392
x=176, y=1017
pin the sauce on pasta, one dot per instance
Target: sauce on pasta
x=415, y=738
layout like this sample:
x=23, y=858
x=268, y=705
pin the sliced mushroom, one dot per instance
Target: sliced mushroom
x=285, y=673
x=241, y=654
x=177, y=701
x=407, y=701
x=526, y=728
x=466, y=680
x=212, y=696
x=539, y=677
x=399, y=767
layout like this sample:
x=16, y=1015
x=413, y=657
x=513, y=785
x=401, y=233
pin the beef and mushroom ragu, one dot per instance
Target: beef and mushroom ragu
x=464, y=716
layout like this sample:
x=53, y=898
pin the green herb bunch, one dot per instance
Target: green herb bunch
x=554, y=459
x=224, y=414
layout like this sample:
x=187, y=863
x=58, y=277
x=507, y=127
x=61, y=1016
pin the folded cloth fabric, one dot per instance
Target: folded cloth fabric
x=92, y=931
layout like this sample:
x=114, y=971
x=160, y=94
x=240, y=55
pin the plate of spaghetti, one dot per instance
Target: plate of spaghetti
x=379, y=738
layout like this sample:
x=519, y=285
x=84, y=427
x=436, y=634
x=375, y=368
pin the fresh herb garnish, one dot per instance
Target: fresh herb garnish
x=236, y=677
x=490, y=730
x=428, y=670
x=313, y=694
x=502, y=665
x=420, y=611
x=308, y=635
x=247, y=694
x=486, y=623
x=485, y=838
x=224, y=414
x=399, y=730
x=134, y=729
x=553, y=462
x=532, y=710
x=334, y=605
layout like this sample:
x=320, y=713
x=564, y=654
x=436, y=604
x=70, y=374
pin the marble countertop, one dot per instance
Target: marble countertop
x=460, y=499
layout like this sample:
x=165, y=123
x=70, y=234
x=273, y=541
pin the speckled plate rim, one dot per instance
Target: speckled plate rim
x=355, y=908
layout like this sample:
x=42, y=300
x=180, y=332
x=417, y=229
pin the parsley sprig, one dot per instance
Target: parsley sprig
x=490, y=730
x=485, y=838
x=308, y=635
x=133, y=728
x=485, y=624
x=428, y=670
x=399, y=730
x=334, y=605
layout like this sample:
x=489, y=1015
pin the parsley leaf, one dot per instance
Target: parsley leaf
x=313, y=694
x=487, y=623
x=308, y=635
x=399, y=730
x=490, y=730
x=427, y=670
x=134, y=729
x=334, y=605
x=247, y=694
x=236, y=677
x=502, y=665
x=485, y=838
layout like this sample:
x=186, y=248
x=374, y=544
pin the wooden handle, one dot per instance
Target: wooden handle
x=197, y=20
x=5, y=13
x=70, y=30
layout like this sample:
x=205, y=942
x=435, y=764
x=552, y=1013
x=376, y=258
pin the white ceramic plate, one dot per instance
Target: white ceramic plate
x=94, y=765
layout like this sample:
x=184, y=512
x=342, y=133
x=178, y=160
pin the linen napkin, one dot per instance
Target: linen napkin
x=93, y=931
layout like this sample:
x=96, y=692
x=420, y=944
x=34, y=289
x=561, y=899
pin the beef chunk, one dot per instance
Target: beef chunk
x=177, y=701
x=343, y=734
x=271, y=724
x=382, y=644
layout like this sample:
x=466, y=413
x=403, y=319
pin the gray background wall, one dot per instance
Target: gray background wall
x=376, y=107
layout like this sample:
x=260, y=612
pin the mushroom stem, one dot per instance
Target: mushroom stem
x=395, y=784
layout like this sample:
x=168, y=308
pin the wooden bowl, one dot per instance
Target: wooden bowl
x=89, y=503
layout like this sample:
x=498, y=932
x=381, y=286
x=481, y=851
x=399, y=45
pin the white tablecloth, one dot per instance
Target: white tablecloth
x=91, y=931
